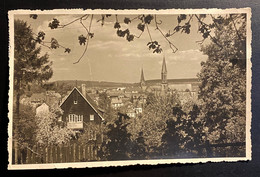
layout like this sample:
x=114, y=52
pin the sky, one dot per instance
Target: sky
x=114, y=59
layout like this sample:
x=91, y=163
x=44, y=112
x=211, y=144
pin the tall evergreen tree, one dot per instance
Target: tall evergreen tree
x=29, y=65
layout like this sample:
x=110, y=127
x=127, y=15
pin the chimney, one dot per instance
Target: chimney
x=83, y=90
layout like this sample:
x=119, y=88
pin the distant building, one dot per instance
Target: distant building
x=120, y=88
x=81, y=113
x=44, y=108
x=116, y=102
x=138, y=110
x=36, y=99
x=131, y=113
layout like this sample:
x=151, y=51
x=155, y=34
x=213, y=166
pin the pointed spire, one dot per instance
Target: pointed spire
x=142, y=76
x=164, y=69
x=164, y=72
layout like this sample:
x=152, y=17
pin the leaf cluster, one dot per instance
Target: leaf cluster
x=54, y=43
x=155, y=46
x=54, y=24
x=33, y=16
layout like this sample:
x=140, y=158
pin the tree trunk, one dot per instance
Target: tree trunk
x=15, y=122
x=18, y=104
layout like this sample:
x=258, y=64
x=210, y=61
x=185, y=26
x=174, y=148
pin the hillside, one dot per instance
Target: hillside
x=73, y=83
x=104, y=84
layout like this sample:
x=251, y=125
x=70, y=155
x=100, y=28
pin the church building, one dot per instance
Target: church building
x=163, y=85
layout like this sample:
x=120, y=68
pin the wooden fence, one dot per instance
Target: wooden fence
x=225, y=149
x=56, y=154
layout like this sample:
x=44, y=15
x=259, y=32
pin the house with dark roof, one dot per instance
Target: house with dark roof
x=82, y=114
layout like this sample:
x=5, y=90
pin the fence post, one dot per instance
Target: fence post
x=87, y=153
x=43, y=154
x=79, y=148
x=36, y=154
x=84, y=152
x=58, y=160
x=91, y=152
x=69, y=154
x=47, y=155
x=81, y=153
x=74, y=152
x=76, y=149
x=15, y=151
x=54, y=154
x=33, y=154
x=64, y=153
x=28, y=158
x=208, y=149
x=96, y=152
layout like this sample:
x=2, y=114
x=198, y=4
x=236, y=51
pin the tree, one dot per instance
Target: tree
x=49, y=131
x=104, y=102
x=152, y=123
x=26, y=127
x=183, y=136
x=139, y=148
x=118, y=143
x=223, y=82
x=29, y=66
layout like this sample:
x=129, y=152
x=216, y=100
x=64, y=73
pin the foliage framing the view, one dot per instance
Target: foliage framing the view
x=220, y=114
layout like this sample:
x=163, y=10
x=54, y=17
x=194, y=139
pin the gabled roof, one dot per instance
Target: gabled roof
x=87, y=99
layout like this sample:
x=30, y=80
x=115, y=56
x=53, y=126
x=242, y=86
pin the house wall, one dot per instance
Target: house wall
x=81, y=108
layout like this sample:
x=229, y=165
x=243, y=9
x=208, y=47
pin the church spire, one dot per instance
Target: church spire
x=164, y=85
x=164, y=72
x=142, y=76
x=142, y=81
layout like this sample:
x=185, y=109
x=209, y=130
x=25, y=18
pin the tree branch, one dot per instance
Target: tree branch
x=214, y=22
x=80, y=18
x=139, y=35
x=84, y=26
x=136, y=17
x=149, y=33
x=172, y=46
x=86, y=47
x=30, y=149
x=202, y=23
x=235, y=27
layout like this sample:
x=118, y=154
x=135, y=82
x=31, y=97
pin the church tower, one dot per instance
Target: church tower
x=164, y=83
x=142, y=81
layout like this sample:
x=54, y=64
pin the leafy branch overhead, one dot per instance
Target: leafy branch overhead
x=144, y=23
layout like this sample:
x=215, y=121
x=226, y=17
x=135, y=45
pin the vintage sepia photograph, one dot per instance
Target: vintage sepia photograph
x=96, y=88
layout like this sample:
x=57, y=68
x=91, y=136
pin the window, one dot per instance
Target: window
x=92, y=117
x=75, y=102
x=75, y=118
